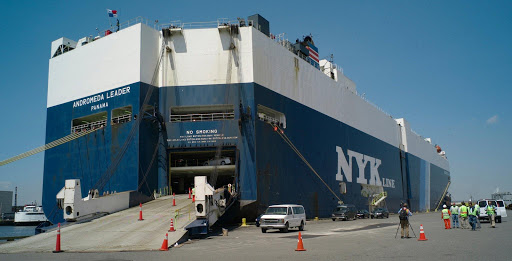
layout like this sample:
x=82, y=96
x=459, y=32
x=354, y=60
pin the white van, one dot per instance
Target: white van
x=283, y=217
x=500, y=206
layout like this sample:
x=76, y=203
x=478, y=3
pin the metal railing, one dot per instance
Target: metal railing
x=126, y=24
x=372, y=104
x=121, y=119
x=89, y=126
x=203, y=117
x=199, y=25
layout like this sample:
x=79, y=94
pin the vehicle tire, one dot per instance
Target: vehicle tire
x=387, y=216
x=205, y=164
x=372, y=217
x=498, y=220
x=263, y=230
x=301, y=227
x=222, y=163
x=285, y=229
x=333, y=219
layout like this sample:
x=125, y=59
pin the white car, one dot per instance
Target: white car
x=283, y=217
x=220, y=161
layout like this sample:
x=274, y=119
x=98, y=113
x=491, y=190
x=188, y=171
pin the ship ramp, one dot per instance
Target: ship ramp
x=120, y=231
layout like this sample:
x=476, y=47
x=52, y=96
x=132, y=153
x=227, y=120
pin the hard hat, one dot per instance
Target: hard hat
x=444, y=206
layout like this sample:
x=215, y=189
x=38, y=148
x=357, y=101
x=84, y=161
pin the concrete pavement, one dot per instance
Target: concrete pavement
x=369, y=239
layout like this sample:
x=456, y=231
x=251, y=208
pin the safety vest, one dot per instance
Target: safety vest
x=445, y=214
x=463, y=211
x=472, y=211
x=454, y=210
x=193, y=191
x=477, y=209
x=490, y=210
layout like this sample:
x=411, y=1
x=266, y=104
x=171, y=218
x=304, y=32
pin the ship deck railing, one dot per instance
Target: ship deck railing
x=122, y=119
x=200, y=25
x=203, y=117
x=89, y=126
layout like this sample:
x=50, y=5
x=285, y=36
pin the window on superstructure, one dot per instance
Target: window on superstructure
x=216, y=112
x=90, y=122
x=121, y=115
x=271, y=116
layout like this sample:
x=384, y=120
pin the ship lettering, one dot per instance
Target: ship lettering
x=206, y=131
x=88, y=100
x=99, y=106
x=118, y=92
x=345, y=169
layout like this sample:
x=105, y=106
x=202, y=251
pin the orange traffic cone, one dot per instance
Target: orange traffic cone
x=171, y=229
x=173, y=199
x=300, y=246
x=165, y=244
x=193, y=198
x=422, y=234
x=140, y=212
x=57, y=245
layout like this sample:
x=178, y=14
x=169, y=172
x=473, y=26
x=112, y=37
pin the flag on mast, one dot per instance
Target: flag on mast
x=112, y=13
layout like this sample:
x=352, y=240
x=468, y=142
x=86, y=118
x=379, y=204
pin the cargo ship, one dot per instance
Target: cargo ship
x=163, y=103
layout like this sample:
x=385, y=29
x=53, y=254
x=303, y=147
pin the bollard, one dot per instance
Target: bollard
x=244, y=222
x=173, y=200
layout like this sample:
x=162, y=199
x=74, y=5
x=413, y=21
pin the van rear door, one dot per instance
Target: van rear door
x=500, y=205
x=483, y=208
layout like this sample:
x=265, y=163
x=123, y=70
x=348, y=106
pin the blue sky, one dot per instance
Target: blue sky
x=443, y=65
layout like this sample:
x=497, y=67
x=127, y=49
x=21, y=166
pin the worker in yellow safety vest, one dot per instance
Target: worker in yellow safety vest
x=445, y=214
x=455, y=215
x=473, y=212
x=491, y=211
x=464, y=216
x=477, y=207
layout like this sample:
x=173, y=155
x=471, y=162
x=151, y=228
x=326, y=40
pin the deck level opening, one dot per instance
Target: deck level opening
x=184, y=165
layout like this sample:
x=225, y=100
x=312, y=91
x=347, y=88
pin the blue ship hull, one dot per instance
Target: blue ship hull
x=267, y=170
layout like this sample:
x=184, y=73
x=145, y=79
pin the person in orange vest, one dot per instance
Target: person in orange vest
x=445, y=215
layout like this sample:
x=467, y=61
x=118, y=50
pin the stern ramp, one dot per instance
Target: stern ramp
x=120, y=231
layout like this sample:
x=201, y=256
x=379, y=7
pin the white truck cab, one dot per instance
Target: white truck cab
x=283, y=217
